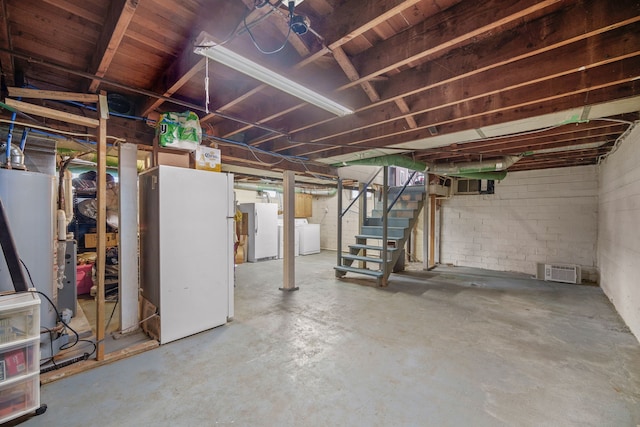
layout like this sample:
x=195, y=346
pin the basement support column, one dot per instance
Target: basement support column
x=289, y=193
x=128, y=236
x=362, y=207
x=385, y=228
x=339, y=229
x=101, y=222
x=432, y=231
x=425, y=225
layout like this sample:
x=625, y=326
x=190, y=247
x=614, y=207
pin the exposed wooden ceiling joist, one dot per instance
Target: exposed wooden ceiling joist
x=419, y=74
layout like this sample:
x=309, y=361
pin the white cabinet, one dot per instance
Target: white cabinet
x=19, y=355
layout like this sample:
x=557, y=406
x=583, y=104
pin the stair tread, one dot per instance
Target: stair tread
x=362, y=258
x=373, y=236
x=372, y=247
x=388, y=228
x=374, y=273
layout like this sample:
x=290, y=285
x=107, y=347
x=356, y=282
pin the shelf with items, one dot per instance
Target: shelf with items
x=19, y=359
x=19, y=398
x=19, y=355
x=85, y=209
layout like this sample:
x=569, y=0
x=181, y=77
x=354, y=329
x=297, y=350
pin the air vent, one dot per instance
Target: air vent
x=562, y=273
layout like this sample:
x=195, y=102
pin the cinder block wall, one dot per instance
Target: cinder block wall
x=619, y=229
x=325, y=213
x=534, y=217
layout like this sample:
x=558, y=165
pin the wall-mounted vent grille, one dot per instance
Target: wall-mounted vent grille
x=562, y=273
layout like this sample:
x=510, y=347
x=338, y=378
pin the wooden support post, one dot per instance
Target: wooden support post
x=385, y=228
x=362, y=207
x=425, y=225
x=289, y=277
x=432, y=230
x=101, y=223
x=339, y=229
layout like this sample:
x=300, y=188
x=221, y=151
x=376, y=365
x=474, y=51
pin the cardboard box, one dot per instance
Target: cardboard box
x=174, y=159
x=91, y=240
x=208, y=159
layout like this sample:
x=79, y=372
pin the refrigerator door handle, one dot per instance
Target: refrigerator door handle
x=256, y=221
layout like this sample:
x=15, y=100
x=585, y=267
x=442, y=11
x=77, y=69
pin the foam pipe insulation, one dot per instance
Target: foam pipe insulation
x=486, y=169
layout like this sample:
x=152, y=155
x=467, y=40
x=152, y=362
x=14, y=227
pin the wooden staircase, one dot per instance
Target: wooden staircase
x=368, y=247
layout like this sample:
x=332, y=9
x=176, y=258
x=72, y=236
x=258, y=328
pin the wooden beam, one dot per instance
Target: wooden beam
x=573, y=135
x=569, y=29
x=51, y=113
x=357, y=17
x=6, y=60
x=176, y=76
x=86, y=365
x=406, y=112
x=532, y=73
x=101, y=224
x=572, y=33
x=463, y=23
x=387, y=137
x=74, y=8
x=20, y=92
x=113, y=30
x=188, y=64
x=231, y=153
x=352, y=74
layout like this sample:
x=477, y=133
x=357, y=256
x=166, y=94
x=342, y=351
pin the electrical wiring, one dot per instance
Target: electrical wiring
x=49, y=131
x=59, y=317
x=618, y=141
x=263, y=162
x=255, y=42
x=111, y=317
x=259, y=150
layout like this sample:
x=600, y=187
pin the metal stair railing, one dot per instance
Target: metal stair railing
x=342, y=213
x=386, y=263
x=404, y=187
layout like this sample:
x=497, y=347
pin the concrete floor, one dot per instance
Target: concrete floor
x=451, y=347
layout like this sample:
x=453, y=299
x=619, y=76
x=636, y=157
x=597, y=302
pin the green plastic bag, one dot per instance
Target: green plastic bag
x=179, y=130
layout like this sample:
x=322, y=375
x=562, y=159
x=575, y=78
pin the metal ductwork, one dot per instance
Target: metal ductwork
x=461, y=169
x=486, y=169
x=390, y=160
x=16, y=156
x=278, y=188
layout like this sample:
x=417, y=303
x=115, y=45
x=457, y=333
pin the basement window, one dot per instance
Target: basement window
x=474, y=186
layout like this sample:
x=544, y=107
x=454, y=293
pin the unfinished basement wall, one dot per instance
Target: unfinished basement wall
x=325, y=213
x=544, y=216
x=619, y=229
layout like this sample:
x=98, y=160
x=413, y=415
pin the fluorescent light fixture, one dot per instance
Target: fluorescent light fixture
x=245, y=66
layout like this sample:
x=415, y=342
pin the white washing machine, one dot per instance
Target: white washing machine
x=309, y=237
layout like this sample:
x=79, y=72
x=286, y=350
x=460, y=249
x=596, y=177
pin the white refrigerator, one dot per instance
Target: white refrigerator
x=186, y=248
x=263, y=230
